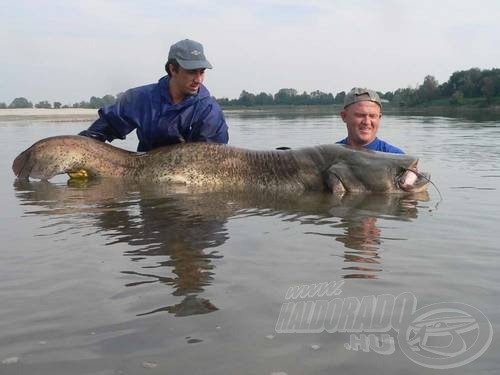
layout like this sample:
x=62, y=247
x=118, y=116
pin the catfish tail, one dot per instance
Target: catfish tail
x=21, y=165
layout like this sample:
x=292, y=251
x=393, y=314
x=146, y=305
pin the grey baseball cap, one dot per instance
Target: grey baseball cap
x=358, y=94
x=189, y=54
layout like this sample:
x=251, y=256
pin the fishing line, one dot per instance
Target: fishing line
x=428, y=180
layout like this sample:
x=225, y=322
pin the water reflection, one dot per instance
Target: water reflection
x=183, y=229
x=153, y=222
x=362, y=235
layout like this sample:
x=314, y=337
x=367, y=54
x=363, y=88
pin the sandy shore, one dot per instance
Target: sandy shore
x=63, y=114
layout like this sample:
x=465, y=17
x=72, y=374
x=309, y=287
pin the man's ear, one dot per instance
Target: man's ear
x=172, y=68
x=343, y=114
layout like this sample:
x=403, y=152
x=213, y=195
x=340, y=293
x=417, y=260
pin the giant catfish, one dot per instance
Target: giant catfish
x=334, y=168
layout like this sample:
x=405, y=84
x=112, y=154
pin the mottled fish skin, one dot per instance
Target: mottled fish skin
x=212, y=165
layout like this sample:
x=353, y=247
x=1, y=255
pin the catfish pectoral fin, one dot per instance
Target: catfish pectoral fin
x=334, y=184
x=333, y=180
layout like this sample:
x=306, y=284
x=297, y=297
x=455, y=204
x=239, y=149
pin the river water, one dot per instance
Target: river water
x=107, y=278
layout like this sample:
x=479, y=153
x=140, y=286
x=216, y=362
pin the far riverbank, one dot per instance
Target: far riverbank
x=62, y=114
x=86, y=115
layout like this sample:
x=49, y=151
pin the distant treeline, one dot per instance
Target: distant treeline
x=94, y=102
x=283, y=97
x=474, y=83
x=462, y=85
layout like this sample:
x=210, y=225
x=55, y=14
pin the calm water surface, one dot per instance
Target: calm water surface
x=107, y=278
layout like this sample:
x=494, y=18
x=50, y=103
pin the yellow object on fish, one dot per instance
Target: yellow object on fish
x=80, y=174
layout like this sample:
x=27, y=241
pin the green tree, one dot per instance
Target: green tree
x=302, y=99
x=21, y=103
x=339, y=98
x=285, y=96
x=319, y=97
x=108, y=99
x=3, y=105
x=43, y=104
x=82, y=104
x=57, y=105
x=488, y=88
x=457, y=98
x=96, y=102
x=223, y=102
x=466, y=81
x=429, y=90
x=389, y=95
x=246, y=98
x=264, y=99
x=406, y=97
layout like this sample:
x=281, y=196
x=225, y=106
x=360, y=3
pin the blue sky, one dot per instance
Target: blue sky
x=70, y=50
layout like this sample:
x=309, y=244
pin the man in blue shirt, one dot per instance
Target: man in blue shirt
x=362, y=114
x=176, y=109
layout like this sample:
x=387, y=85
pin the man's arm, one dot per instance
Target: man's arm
x=115, y=121
x=99, y=130
x=211, y=126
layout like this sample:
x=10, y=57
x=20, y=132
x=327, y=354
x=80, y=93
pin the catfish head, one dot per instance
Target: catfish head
x=359, y=171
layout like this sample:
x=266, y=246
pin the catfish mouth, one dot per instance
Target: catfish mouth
x=411, y=180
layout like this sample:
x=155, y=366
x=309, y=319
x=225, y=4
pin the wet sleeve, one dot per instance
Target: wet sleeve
x=115, y=121
x=213, y=127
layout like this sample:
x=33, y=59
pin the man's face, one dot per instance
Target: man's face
x=187, y=82
x=362, y=120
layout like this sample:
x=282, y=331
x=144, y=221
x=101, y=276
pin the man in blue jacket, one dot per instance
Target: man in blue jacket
x=362, y=113
x=176, y=109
